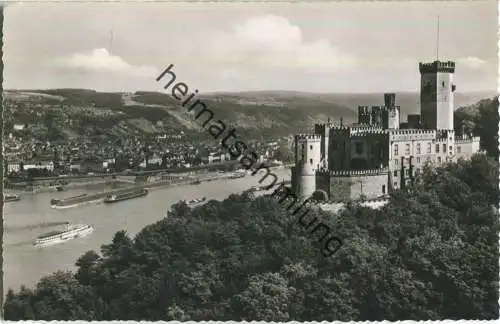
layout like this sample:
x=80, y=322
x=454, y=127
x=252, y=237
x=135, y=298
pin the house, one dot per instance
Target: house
x=13, y=166
x=40, y=165
x=92, y=164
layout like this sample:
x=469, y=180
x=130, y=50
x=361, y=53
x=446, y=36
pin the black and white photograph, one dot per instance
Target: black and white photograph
x=250, y=161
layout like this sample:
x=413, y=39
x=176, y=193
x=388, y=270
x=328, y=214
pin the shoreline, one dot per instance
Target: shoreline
x=123, y=186
x=190, y=181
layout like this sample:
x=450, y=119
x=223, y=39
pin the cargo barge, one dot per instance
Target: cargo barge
x=125, y=196
x=237, y=175
x=74, y=201
x=10, y=198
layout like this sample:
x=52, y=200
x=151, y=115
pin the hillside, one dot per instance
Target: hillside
x=481, y=119
x=252, y=113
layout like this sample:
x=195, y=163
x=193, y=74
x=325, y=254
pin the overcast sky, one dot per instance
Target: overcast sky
x=320, y=47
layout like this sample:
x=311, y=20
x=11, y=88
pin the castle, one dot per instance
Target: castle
x=379, y=154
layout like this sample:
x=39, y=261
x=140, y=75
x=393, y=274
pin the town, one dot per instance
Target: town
x=28, y=156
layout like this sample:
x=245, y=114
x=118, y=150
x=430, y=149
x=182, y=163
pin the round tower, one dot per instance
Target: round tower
x=307, y=162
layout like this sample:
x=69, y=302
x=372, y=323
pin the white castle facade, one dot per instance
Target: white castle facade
x=379, y=153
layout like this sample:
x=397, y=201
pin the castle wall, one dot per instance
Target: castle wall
x=466, y=147
x=368, y=151
x=413, y=121
x=339, y=150
x=345, y=185
x=416, y=143
x=323, y=182
x=444, y=147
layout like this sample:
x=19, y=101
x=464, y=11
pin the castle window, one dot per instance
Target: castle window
x=395, y=183
x=418, y=148
x=442, y=83
x=437, y=148
x=429, y=148
x=407, y=150
x=459, y=149
x=383, y=189
x=396, y=163
x=310, y=161
x=310, y=147
x=444, y=148
x=359, y=148
x=418, y=159
x=439, y=159
x=395, y=173
x=450, y=149
x=396, y=149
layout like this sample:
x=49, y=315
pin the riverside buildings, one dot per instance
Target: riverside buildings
x=379, y=153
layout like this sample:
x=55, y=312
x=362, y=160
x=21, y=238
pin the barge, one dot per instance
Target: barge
x=68, y=202
x=237, y=175
x=125, y=196
x=11, y=197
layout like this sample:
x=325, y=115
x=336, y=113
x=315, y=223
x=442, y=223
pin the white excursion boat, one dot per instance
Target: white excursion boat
x=70, y=232
x=196, y=202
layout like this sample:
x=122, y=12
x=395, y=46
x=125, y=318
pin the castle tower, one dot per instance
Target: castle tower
x=323, y=130
x=364, y=115
x=436, y=95
x=307, y=162
x=390, y=116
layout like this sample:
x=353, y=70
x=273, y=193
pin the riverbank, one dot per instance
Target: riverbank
x=100, y=196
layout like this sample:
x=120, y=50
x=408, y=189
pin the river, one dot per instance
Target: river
x=24, y=220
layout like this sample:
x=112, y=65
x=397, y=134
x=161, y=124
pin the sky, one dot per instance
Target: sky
x=310, y=47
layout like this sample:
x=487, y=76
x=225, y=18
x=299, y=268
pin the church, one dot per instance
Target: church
x=379, y=153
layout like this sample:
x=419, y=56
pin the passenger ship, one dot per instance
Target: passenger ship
x=196, y=202
x=56, y=237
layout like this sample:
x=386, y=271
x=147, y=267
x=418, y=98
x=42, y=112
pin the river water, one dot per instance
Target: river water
x=23, y=264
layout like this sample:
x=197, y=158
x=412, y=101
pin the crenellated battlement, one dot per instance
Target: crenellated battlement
x=342, y=128
x=412, y=134
x=437, y=66
x=362, y=130
x=324, y=125
x=467, y=139
x=354, y=173
x=302, y=137
x=397, y=132
x=364, y=109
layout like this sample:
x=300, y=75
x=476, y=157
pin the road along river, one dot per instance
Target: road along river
x=23, y=264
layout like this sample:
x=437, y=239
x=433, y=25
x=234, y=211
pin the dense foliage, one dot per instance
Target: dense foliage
x=481, y=119
x=431, y=253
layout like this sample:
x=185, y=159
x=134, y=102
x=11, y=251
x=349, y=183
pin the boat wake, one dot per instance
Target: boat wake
x=19, y=244
x=34, y=226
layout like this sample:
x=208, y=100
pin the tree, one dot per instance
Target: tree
x=430, y=254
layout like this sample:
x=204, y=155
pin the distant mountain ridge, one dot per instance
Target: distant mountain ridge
x=256, y=112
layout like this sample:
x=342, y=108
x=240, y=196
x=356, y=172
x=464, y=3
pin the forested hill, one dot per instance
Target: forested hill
x=266, y=113
x=481, y=119
x=430, y=254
